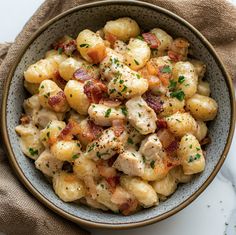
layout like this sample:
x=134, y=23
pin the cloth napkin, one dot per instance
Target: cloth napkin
x=20, y=212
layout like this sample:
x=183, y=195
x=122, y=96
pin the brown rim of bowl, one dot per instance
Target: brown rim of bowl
x=89, y=223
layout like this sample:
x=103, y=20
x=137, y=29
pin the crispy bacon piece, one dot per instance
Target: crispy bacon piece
x=174, y=56
x=71, y=129
x=59, y=80
x=161, y=124
x=129, y=207
x=25, y=119
x=82, y=75
x=95, y=90
x=154, y=102
x=172, y=147
x=166, y=137
x=113, y=182
x=105, y=170
x=58, y=101
x=97, y=53
x=118, y=126
x=110, y=38
x=206, y=140
x=95, y=130
x=66, y=45
x=110, y=102
x=151, y=40
x=111, y=160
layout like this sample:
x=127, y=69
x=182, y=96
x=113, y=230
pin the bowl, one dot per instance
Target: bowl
x=94, y=16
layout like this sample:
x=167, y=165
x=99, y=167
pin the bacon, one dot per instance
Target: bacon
x=172, y=147
x=82, y=75
x=113, y=181
x=151, y=40
x=95, y=90
x=206, y=140
x=174, y=56
x=25, y=119
x=154, y=102
x=104, y=170
x=57, y=101
x=97, y=53
x=129, y=207
x=71, y=129
x=165, y=137
x=110, y=38
x=118, y=126
x=94, y=129
x=59, y=80
x=67, y=46
x=111, y=160
x=161, y=124
x=110, y=102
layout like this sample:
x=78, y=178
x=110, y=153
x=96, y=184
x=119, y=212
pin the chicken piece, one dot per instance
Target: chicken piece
x=106, y=146
x=151, y=147
x=103, y=115
x=141, y=116
x=31, y=105
x=130, y=162
x=48, y=164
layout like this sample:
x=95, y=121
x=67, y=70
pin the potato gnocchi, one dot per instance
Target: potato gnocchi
x=117, y=118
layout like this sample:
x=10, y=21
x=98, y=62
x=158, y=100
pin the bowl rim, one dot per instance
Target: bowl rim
x=51, y=205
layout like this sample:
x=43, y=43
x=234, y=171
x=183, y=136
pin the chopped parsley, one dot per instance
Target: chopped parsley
x=152, y=164
x=108, y=112
x=48, y=134
x=91, y=147
x=86, y=45
x=138, y=76
x=121, y=81
x=197, y=156
x=181, y=79
x=190, y=146
x=124, y=89
x=42, y=87
x=130, y=141
x=124, y=111
x=178, y=94
x=144, y=159
x=166, y=69
x=136, y=62
x=112, y=90
x=75, y=156
x=172, y=85
x=140, y=37
x=33, y=151
x=60, y=50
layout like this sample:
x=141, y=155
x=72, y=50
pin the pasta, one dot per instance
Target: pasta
x=116, y=118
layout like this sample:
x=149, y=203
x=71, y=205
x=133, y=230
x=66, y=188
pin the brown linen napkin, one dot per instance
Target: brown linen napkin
x=20, y=213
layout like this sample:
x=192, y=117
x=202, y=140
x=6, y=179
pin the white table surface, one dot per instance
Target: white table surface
x=212, y=213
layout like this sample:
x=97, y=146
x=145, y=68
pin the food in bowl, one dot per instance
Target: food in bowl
x=117, y=118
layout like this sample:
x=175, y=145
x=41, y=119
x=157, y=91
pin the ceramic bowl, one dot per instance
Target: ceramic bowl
x=94, y=16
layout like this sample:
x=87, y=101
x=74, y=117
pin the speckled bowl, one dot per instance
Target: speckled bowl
x=94, y=16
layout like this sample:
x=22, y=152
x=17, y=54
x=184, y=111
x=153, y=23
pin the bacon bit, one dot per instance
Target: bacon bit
x=82, y=75
x=58, y=101
x=151, y=40
x=164, y=76
x=113, y=182
x=161, y=124
x=104, y=170
x=151, y=68
x=206, y=140
x=111, y=38
x=118, y=126
x=166, y=137
x=174, y=56
x=68, y=46
x=94, y=129
x=153, y=102
x=110, y=102
x=111, y=160
x=172, y=147
x=25, y=119
x=71, y=129
x=129, y=207
x=97, y=53
x=59, y=80
x=95, y=90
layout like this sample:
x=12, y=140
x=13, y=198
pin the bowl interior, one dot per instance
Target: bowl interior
x=94, y=17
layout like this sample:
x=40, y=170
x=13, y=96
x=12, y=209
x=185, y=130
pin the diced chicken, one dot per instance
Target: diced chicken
x=134, y=138
x=141, y=116
x=130, y=162
x=48, y=164
x=106, y=146
x=103, y=115
x=151, y=147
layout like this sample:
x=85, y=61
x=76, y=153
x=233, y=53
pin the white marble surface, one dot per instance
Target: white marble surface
x=213, y=212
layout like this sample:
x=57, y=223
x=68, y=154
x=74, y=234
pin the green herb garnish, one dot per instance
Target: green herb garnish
x=166, y=69
x=124, y=111
x=130, y=141
x=108, y=112
x=178, y=94
x=33, y=151
x=60, y=50
x=136, y=62
x=152, y=164
x=181, y=79
x=75, y=156
x=84, y=45
x=172, y=85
